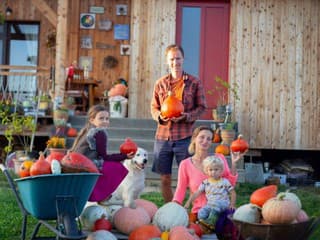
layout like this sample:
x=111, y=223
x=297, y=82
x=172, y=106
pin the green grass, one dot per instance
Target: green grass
x=11, y=217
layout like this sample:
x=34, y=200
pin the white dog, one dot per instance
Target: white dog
x=132, y=186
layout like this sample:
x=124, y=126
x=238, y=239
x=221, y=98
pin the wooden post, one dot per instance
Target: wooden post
x=61, y=49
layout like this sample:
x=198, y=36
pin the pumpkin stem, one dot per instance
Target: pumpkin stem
x=240, y=136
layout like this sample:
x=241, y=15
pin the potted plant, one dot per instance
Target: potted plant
x=222, y=89
x=20, y=130
x=57, y=144
x=44, y=102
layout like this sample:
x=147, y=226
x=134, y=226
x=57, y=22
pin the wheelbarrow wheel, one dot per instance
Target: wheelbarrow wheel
x=70, y=226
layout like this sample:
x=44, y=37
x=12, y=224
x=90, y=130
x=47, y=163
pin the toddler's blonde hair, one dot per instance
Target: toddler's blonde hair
x=212, y=160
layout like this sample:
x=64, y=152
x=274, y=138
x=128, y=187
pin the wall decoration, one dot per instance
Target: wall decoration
x=121, y=9
x=121, y=31
x=105, y=24
x=85, y=62
x=86, y=42
x=96, y=9
x=87, y=20
x=125, y=49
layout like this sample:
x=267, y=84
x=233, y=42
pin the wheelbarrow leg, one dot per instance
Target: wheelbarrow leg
x=35, y=231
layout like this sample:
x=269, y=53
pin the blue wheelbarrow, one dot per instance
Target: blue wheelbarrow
x=53, y=197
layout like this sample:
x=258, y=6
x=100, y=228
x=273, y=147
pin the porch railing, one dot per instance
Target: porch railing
x=19, y=83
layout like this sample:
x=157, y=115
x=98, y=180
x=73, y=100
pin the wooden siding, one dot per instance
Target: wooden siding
x=153, y=28
x=274, y=57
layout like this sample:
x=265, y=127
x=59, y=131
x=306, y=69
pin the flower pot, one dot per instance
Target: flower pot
x=219, y=113
x=60, y=117
x=228, y=135
x=61, y=150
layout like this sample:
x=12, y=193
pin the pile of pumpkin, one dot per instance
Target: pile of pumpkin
x=146, y=221
x=267, y=206
x=57, y=163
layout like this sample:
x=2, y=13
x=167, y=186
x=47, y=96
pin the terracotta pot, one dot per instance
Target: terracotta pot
x=228, y=135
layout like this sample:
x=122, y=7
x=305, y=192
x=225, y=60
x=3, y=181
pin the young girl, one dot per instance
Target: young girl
x=92, y=142
x=217, y=190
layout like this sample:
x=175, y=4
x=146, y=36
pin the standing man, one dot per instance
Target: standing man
x=173, y=134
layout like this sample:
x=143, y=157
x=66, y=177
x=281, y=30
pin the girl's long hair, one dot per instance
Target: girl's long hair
x=93, y=111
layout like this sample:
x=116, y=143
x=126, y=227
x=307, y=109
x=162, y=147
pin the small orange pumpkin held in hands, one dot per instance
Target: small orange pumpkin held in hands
x=171, y=107
x=24, y=170
x=128, y=146
x=239, y=145
x=41, y=166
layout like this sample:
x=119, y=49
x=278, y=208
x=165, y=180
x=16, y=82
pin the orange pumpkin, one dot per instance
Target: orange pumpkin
x=171, y=107
x=278, y=210
x=128, y=146
x=24, y=170
x=77, y=162
x=72, y=132
x=223, y=149
x=55, y=155
x=118, y=90
x=41, y=166
x=216, y=136
x=261, y=195
x=239, y=145
x=145, y=232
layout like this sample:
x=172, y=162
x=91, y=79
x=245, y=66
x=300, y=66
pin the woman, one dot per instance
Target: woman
x=92, y=142
x=190, y=173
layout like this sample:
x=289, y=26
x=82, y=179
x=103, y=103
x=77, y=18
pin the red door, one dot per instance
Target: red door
x=203, y=32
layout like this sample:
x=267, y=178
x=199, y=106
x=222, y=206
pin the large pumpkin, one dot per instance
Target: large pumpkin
x=181, y=233
x=55, y=155
x=171, y=107
x=150, y=207
x=101, y=235
x=41, y=166
x=280, y=211
x=91, y=214
x=247, y=213
x=127, y=219
x=145, y=232
x=239, y=145
x=76, y=162
x=291, y=196
x=170, y=215
x=263, y=194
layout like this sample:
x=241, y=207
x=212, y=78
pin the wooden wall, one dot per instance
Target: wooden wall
x=27, y=10
x=274, y=57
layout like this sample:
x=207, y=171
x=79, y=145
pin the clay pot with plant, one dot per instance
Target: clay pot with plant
x=221, y=89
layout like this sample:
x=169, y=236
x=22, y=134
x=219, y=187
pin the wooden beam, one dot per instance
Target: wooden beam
x=61, y=47
x=46, y=10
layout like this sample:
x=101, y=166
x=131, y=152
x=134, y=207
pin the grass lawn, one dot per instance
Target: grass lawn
x=11, y=218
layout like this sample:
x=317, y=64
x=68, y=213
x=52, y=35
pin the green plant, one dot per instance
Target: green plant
x=23, y=127
x=219, y=88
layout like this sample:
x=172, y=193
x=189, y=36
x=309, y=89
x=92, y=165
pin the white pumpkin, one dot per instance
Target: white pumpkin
x=291, y=196
x=90, y=214
x=111, y=210
x=170, y=215
x=101, y=235
x=248, y=213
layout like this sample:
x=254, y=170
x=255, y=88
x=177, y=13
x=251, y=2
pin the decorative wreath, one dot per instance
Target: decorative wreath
x=110, y=62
